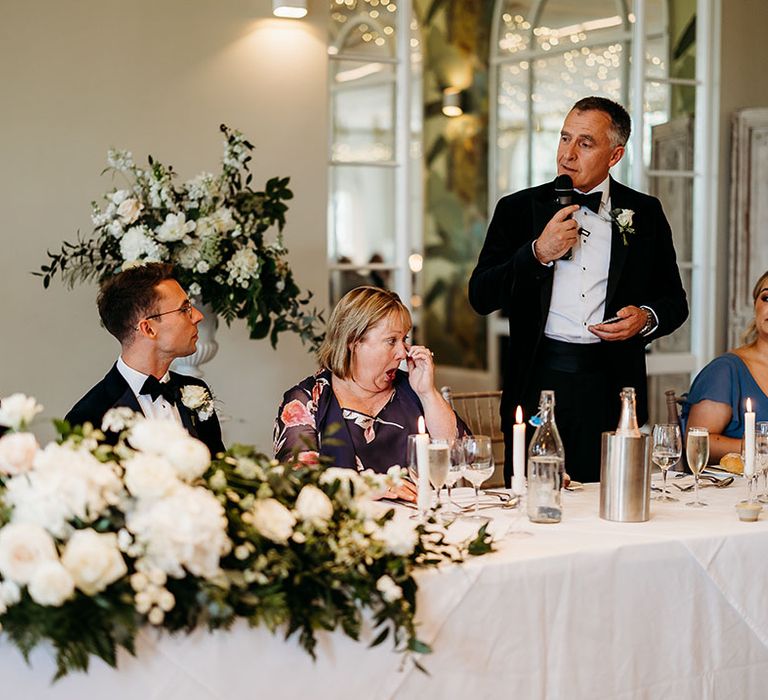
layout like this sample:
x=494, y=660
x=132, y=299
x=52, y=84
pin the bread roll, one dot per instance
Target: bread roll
x=731, y=462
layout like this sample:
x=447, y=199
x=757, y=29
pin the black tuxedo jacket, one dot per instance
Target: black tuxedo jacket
x=643, y=272
x=113, y=392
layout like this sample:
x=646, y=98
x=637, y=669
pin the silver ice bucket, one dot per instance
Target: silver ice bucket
x=625, y=478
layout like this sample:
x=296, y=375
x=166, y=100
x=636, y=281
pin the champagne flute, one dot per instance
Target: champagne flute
x=439, y=454
x=667, y=447
x=697, y=453
x=479, y=465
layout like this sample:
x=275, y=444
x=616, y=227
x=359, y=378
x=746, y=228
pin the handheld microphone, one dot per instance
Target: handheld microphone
x=564, y=197
x=564, y=190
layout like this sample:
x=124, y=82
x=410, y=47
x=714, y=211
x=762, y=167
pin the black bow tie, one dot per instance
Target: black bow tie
x=591, y=201
x=155, y=388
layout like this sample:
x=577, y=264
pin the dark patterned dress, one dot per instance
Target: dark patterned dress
x=310, y=421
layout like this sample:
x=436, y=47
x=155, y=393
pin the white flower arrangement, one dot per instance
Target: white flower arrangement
x=149, y=531
x=623, y=219
x=198, y=398
x=211, y=228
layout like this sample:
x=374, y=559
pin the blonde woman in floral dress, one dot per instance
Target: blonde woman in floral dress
x=361, y=391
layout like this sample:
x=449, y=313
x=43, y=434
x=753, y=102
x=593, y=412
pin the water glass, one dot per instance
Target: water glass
x=761, y=456
x=667, y=447
x=458, y=458
x=697, y=453
x=479, y=464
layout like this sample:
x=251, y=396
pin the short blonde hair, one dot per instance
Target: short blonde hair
x=356, y=312
x=750, y=335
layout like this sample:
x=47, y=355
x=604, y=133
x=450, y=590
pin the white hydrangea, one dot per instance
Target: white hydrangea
x=118, y=419
x=66, y=482
x=18, y=410
x=115, y=229
x=174, y=228
x=155, y=434
x=398, y=536
x=186, y=530
x=137, y=243
x=242, y=267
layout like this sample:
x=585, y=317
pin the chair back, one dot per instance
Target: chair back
x=480, y=410
x=673, y=416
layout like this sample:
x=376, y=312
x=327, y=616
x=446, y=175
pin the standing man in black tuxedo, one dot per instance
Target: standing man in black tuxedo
x=560, y=273
x=149, y=313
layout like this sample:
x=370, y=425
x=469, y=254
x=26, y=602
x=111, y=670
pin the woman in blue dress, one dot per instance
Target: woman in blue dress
x=359, y=408
x=717, y=399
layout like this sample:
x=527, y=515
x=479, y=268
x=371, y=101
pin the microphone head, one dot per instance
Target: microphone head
x=564, y=183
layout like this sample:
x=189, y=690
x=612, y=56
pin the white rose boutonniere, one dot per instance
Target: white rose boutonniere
x=198, y=398
x=623, y=219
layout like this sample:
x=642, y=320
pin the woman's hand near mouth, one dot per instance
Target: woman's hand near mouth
x=421, y=370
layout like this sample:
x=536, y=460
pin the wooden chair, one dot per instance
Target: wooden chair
x=673, y=416
x=480, y=411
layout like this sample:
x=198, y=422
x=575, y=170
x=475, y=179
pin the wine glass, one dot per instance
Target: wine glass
x=479, y=465
x=667, y=447
x=439, y=458
x=697, y=453
x=761, y=456
x=458, y=459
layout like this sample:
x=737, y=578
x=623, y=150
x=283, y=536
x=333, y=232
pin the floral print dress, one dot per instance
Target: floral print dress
x=310, y=422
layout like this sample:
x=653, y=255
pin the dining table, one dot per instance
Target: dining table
x=674, y=607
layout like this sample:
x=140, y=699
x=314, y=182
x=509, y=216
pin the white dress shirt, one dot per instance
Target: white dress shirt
x=159, y=408
x=580, y=284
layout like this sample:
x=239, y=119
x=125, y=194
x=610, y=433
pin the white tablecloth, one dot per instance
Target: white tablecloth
x=673, y=608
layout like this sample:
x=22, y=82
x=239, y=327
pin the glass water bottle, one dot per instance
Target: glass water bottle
x=546, y=465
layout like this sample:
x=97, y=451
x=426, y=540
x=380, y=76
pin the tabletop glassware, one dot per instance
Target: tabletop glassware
x=439, y=453
x=479, y=464
x=667, y=447
x=761, y=457
x=697, y=454
x=458, y=460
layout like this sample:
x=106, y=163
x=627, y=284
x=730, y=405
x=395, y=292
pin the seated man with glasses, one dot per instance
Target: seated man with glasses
x=149, y=313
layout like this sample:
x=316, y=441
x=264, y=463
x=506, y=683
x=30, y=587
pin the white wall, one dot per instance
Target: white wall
x=155, y=77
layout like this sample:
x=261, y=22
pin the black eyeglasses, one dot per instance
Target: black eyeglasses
x=185, y=308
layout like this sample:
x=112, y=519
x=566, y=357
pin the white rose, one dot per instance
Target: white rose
x=273, y=520
x=174, y=228
x=129, y=210
x=93, y=560
x=18, y=410
x=194, y=396
x=51, y=584
x=313, y=505
x=389, y=590
x=155, y=434
x=23, y=547
x=189, y=457
x=150, y=476
x=399, y=537
x=17, y=451
x=625, y=218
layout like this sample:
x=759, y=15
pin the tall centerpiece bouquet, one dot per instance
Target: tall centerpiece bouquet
x=212, y=228
x=99, y=539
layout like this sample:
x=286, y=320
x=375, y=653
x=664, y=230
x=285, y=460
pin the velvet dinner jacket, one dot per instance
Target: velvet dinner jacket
x=643, y=272
x=113, y=392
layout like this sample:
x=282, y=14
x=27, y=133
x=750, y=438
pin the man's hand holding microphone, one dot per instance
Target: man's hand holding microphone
x=562, y=231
